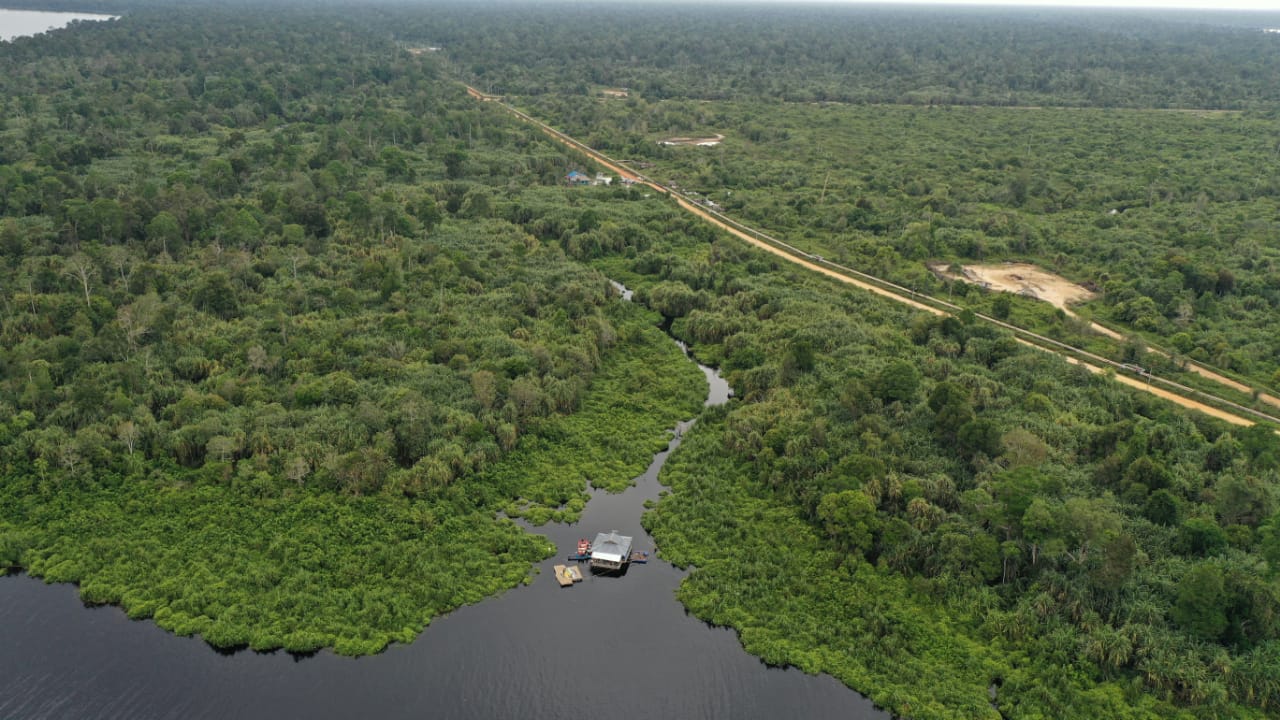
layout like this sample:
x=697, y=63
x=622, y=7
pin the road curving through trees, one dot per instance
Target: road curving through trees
x=1174, y=392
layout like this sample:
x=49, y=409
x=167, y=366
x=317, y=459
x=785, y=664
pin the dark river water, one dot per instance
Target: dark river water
x=616, y=648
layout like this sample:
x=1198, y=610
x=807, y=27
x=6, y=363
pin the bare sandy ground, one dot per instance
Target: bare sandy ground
x=1035, y=282
x=841, y=277
x=704, y=141
x=1022, y=279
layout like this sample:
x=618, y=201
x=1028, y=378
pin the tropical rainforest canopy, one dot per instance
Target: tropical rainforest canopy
x=293, y=327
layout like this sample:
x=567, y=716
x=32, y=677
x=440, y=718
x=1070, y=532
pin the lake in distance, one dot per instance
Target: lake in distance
x=22, y=23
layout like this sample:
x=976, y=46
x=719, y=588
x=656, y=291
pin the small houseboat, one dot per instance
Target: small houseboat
x=610, y=552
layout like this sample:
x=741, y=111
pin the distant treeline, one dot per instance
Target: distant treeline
x=861, y=54
x=866, y=54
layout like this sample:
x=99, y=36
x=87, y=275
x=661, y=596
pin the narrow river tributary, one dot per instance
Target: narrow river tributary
x=609, y=647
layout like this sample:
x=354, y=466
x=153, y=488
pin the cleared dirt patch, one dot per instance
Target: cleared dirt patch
x=700, y=141
x=1029, y=281
x=1022, y=279
x=841, y=277
x=1032, y=281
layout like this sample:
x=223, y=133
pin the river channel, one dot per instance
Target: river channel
x=609, y=647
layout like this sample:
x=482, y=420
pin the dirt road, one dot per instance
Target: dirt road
x=1161, y=393
x=880, y=287
x=1032, y=281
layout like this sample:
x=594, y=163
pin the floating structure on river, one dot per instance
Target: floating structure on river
x=583, y=553
x=610, y=552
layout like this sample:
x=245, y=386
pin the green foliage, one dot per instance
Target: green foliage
x=898, y=382
x=1066, y=561
x=286, y=339
x=885, y=189
x=234, y=566
x=854, y=54
x=1200, y=606
x=1022, y=542
x=1162, y=508
x=1002, y=306
x=672, y=299
x=1200, y=536
x=291, y=356
x=849, y=518
x=1270, y=541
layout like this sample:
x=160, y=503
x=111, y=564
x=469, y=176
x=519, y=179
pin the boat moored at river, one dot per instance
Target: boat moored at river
x=610, y=552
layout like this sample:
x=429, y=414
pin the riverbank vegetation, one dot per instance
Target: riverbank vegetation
x=931, y=513
x=272, y=364
x=958, y=526
x=292, y=326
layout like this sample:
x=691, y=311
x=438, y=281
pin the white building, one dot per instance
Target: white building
x=610, y=551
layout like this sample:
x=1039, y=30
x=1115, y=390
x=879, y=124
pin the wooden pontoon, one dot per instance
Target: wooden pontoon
x=562, y=575
x=567, y=575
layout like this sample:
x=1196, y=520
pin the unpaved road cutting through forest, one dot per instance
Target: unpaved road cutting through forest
x=876, y=285
x=1032, y=281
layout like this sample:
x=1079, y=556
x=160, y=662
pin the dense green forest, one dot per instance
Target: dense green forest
x=1169, y=216
x=927, y=513
x=292, y=327
x=930, y=512
x=272, y=363
x=861, y=54
x=934, y=515
x=1165, y=214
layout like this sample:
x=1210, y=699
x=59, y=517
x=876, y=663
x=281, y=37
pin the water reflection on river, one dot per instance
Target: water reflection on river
x=609, y=647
